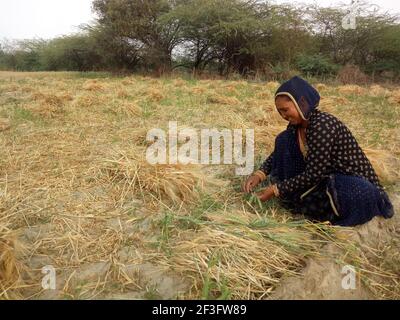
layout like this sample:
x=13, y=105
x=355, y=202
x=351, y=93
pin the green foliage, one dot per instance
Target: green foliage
x=22, y=115
x=316, y=65
x=213, y=290
x=76, y=52
x=69, y=53
x=140, y=23
x=22, y=56
x=386, y=51
x=375, y=38
x=230, y=37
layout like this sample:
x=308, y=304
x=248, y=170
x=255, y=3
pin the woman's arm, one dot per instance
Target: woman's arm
x=258, y=176
x=266, y=166
x=320, y=140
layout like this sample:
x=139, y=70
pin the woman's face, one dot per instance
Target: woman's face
x=287, y=110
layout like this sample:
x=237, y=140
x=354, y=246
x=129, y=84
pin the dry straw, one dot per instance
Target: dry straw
x=176, y=183
x=376, y=90
x=395, y=97
x=93, y=85
x=248, y=255
x=155, y=94
x=221, y=99
x=86, y=169
x=273, y=85
x=351, y=89
x=384, y=164
x=11, y=251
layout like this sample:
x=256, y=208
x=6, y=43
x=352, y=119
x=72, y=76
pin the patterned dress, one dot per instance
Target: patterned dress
x=331, y=147
x=333, y=180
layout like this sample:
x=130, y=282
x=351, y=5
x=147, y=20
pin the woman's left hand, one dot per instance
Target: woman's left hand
x=266, y=194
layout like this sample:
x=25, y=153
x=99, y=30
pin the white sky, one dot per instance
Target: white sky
x=25, y=19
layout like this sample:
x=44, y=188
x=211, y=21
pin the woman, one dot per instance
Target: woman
x=317, y=167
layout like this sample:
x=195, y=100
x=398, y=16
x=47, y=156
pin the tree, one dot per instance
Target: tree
x=138, y=21
x=219, y=31
x=352, y=45
x=291, y=34
x=118, y=53
x=248, y=37
x=385, y=51
x=73, y=52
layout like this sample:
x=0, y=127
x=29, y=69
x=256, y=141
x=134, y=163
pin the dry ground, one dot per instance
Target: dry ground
x=76, y=193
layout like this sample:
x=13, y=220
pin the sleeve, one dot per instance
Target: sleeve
x=320, y=142
x=266, y=166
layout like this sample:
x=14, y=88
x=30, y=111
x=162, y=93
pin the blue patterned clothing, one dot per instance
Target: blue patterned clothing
x=334, y=180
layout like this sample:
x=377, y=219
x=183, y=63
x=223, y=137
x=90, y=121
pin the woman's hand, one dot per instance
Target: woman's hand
x=251, y=182
x=266, y=194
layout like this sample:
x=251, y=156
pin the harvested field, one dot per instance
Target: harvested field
x=77, y=194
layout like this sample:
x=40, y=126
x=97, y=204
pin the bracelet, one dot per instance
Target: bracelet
x=276, y=190
x=260, y=174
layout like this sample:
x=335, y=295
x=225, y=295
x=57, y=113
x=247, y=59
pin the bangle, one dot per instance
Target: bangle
x=260, y=174
x=276, y=190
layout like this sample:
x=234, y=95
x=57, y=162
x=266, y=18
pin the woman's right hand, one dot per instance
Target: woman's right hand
x=251, y=182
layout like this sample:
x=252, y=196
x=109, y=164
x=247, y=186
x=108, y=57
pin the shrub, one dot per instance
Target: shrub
x=316, y=65
x=352, y=74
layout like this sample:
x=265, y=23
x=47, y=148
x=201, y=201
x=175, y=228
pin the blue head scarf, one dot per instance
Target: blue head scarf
x=304, y=96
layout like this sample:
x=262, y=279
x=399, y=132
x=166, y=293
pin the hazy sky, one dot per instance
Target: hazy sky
x=23, y=19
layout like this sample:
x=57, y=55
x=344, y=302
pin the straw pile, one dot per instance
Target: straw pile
x=93, y=85
x=122, y=93
x=395, y=97
x=243, y=253
x=321, y=87
x=179, y=83
x=10, y=267
x=198, y=90
x=264, y=95
x=351, y=89
x=56, y=100
x=384, y=164
x=48, y=104
x=177, y=183
x=155, y=94
x=221, y=99
x=376, y=91
x=4, y=124
x=87, y=100
x=272, y=86
x=128, y=109
x=230, y=89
